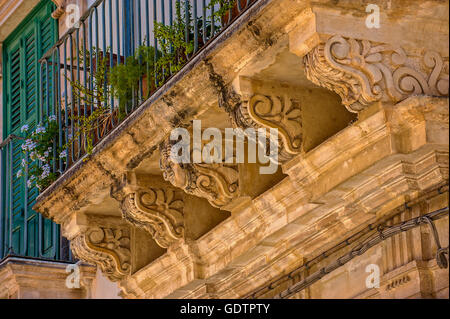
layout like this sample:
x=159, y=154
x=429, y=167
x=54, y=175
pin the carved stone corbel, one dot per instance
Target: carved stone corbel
x=60, y=9
x=269, y=108
x=363, y=72
x=150, y=203
x=218, y=183
x=159, y=211
x=106, y=247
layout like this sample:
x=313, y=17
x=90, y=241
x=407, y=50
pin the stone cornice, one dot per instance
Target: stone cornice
x=12, y=12
x=181, y=256
x=31, y=278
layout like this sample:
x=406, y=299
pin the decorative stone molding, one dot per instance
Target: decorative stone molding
x=272, y=111
x=218, y=183
x=398, y=282
x=363, y=72
x=60, y=9
x=28, y=278
x=260, y=104
x=106, y=247
x=159, y=211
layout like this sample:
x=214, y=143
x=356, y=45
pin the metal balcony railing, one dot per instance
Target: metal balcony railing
x=116, y=57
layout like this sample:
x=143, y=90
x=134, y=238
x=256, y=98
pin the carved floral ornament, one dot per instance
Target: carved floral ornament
x=159, y=211
x=109, y=248
x=218, y=183
x=363, y=72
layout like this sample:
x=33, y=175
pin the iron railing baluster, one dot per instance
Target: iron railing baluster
x=111, y=58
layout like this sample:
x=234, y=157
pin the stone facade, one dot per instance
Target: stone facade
x=28, y=278
x=22, y=278
x=362, y=116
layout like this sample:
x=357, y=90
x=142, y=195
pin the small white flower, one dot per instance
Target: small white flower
x=45, y=154
x=45, y=171
x=40, y=129
x=24, y=162
x=29, y=145
x=24, y=128
x=29, y=183
x=52, y=118
x=63, y=154
x=19, y=173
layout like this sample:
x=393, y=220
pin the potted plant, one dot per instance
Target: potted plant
x=228, y=9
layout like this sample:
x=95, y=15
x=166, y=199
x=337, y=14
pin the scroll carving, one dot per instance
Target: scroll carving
x=218, y=183
x=159, y=211
x=109, y=248
x=271, y=111
x=363, y=72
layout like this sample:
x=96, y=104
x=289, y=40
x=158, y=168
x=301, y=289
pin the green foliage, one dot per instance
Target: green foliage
x=121, y=82
x=224, y=7
x=95, y=99
x=172, y=41
x=124, y=78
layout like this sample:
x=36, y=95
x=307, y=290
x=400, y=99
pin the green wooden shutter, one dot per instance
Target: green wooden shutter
x=14, y=91
x=22, y=93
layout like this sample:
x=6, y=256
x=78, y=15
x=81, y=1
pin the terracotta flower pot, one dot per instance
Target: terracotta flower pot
x=147, y=89
x=226, y=19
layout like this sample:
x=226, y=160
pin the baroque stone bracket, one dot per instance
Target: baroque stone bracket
x=280, y=112
x=159, y=211
x=218, y=182
x=154, y=206
x=363, y=72
x=262, y=105
x=107, y=247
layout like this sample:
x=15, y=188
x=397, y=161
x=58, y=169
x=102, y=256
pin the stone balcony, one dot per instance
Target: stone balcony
x=363, y=121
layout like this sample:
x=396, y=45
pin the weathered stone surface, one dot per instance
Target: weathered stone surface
x=295, y=66
x=323, y=208
x=362, y=72
x=107, y=247
x=36, y=279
